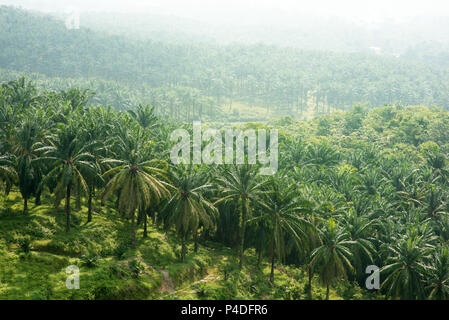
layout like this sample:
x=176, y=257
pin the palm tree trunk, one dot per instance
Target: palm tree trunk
x=309, y=291
x=89, y=206
x=145, y=232
x=242, y=233
x=37, y=201
x=156, y=220
x=25, y=205
x=153, y=217
x=272, y=263
x=78, y=197
x=259, y=256
x=117, y=202
x=67, y=207
x=327, y=291
x=183, y=248
x=196, y=241
x=133, y=229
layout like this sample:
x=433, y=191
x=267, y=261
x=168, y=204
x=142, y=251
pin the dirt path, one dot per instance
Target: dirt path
x=167, y=283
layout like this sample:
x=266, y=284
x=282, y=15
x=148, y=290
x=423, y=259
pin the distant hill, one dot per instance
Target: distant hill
x=304, y=32
x=287, y=80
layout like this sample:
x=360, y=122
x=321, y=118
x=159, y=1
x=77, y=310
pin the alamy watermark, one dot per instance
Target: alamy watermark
x=73, y=280
x=373, y=280
x=219, y=150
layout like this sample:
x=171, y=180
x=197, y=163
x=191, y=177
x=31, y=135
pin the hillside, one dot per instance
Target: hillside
x=392, y=37
x=109, y=270
x=283, y=80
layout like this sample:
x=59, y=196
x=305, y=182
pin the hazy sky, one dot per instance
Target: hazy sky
x=232, y=10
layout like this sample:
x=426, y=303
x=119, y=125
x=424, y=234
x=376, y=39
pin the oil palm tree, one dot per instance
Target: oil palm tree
x=21, y=93
x=188, y=206
x=361, y=230
x=8, y=174
x=332, y=259
x=69, y=160
x=138, y=181
x=145, y=117
x=239, y=184
x=405, y=271
x=438, y=275
x=322, y=154
x=282, y=214
x=28, y=169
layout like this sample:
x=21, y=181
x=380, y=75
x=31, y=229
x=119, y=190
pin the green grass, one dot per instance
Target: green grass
x=41, y=273
x=241, y=112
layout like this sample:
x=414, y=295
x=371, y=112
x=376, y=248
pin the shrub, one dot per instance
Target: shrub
x=135, y=267
x=90, y=260
x=201, y=290
x=120, y=251
x=24, y=244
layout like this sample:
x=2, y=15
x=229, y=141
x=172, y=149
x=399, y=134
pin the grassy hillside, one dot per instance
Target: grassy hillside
x=108, y=270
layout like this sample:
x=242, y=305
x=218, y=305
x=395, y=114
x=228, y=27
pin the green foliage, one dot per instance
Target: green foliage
x=90, y=260
x=24, y=244
x=135, y=267
x=368, y=187
x=120, y=251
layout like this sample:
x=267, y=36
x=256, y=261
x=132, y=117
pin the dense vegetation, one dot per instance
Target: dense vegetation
x=354, y=188
x=86, y=178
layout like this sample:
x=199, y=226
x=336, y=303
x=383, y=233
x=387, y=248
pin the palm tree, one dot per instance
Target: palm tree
x=239, y=184
x=29, y=172
x=145, y=117
x=405, y=271
x=294, y=155
x=438, y=162
x=69, y=160
x=371, y=182
x=93, y=130
x=77, y=98
x=438, y=275
x=188, y=207
x=332, y=260
x=20, y=93
x=360, y=230
x=280, y=214
x=8, y=174
x=322, y=154
x=136, y=180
